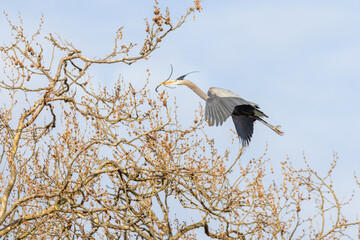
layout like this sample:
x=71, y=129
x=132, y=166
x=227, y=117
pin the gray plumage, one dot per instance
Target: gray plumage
x=222, y=103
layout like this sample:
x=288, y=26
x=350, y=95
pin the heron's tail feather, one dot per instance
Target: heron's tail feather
x=274, y=128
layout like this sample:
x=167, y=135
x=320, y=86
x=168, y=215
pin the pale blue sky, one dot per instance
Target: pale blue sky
x=299, y=60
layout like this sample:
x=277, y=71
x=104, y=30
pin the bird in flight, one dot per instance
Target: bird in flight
x=222, y=103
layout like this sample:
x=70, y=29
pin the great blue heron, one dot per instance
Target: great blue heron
x=222, y=103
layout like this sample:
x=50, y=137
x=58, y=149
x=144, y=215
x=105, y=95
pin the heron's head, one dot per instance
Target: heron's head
x=178, y=81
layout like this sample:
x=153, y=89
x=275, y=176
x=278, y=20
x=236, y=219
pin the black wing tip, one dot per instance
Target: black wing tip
x=244, y=141
x=244, y=126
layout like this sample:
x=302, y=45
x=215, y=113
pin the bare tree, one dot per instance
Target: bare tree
x=81, y=161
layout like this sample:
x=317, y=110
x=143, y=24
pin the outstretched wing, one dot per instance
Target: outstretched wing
x=221, y=104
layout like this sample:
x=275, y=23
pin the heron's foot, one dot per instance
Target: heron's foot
x=278, y=131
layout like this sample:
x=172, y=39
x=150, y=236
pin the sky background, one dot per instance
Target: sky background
x=299, y=60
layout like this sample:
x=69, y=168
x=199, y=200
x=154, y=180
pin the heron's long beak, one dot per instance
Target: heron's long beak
x=171, y=82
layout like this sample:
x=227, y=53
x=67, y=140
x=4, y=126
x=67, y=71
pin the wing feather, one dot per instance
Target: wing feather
x=207, y=113
x=222, y=112
x=244, y=127
x=216, y=114
x=211, y=116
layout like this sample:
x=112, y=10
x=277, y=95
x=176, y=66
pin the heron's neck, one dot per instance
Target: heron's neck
x=196, y=89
